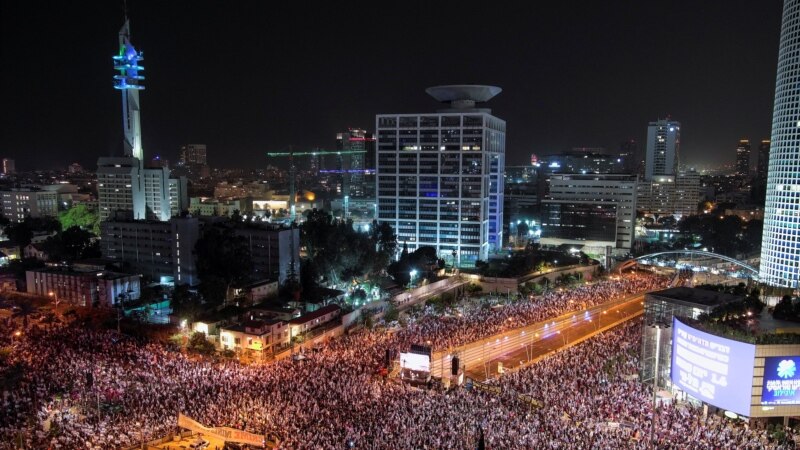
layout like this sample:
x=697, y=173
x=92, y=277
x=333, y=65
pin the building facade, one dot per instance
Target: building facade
x=593, y=211
x=18, y=204
x=94, y=288
x=162, y=251
x=357, y=163
x=273, y=249
x=743, y=158
x=193, y=154
x=663, y=147
x=780, y=249
x=8, y=166
x=677, y=195
x=440, y=175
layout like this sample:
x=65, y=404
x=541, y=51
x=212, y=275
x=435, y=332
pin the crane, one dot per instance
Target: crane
x=318, y=152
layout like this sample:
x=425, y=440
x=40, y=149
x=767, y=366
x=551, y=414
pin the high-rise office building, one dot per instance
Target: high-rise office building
x=676, y=195
x=123, y=184
x=780, y=249
x=8, y=166
x=119, y=187
x=663, y=146
x=629, y=156
x=357, y=163
x=743, y=158
x=759, y=188
x=440, y=175
x=193, y=154
x=763, y=159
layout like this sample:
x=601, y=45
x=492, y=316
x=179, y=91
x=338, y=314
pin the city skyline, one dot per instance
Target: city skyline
x=264, y=79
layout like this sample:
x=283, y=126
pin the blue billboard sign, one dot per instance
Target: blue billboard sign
x=781, y=381
x=713, y=369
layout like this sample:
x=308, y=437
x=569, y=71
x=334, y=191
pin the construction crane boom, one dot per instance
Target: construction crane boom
x=293, y=170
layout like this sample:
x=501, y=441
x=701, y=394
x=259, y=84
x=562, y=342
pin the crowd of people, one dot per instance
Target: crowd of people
x=473, y=324
x=334, y=398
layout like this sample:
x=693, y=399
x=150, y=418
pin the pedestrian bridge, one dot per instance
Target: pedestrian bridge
x=702, y=256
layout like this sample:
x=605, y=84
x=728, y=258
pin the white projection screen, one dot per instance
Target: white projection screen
x=413, y=361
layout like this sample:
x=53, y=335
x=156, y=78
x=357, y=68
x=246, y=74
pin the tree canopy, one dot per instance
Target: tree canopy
x=341, y=253
x=71, y=244
x=223, y=258
x=80, y=216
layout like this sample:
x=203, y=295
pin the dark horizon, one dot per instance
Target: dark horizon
x=257, y=77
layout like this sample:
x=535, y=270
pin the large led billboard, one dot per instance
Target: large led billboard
x=781, y=381
x=413, y=361
x=713, y=369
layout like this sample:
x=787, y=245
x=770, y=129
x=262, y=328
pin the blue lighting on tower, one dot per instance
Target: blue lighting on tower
x=127, y=63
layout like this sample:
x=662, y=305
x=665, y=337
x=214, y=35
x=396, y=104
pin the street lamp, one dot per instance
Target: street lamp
x=413, y=273
x=56, y=300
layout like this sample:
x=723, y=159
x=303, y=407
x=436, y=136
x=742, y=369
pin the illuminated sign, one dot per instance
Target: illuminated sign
x=781, y=381
x=713, y=369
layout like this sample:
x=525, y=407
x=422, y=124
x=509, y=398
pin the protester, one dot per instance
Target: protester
x=335, y=399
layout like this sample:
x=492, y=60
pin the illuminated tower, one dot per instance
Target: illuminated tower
x=128, y=81
x=663, y=143
x=125, y=188
x=780, y=248
x=743, y=158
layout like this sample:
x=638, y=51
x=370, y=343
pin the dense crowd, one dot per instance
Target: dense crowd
x=334, y=398
x=477, y=323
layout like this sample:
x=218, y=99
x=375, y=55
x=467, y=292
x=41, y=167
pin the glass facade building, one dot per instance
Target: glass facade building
x=780, y=244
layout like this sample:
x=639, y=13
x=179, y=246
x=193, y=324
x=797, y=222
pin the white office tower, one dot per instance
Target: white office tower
x=663, y=144
x=780, y=244
x=440, y=175
x=119, y=187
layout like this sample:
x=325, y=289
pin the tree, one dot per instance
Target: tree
x=24, y=309
x=80, y=216
x=784, y=310
x=72, y=244
x=223, y=258
x=185, y=304
x=199, y=344
x=22, y=232
x=309, y=277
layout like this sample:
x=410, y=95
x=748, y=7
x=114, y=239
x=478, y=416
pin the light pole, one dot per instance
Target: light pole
x=413, y=273
x=56, y=300
x=658, y=326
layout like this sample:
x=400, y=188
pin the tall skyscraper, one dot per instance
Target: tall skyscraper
x=743, y=158
x=358, y=176
x=440, y=175
x=8, y=166
x=663, y=144
x=763, y=160
x=629, y=156
x=780, y=249
x=123, y=184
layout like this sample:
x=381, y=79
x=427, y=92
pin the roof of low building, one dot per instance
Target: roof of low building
x=697, y=296
x=315, y=314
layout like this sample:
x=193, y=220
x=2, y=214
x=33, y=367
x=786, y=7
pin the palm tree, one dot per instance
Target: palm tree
x=24, y=309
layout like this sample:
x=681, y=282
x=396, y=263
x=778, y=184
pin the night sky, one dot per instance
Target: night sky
x=246, y=77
